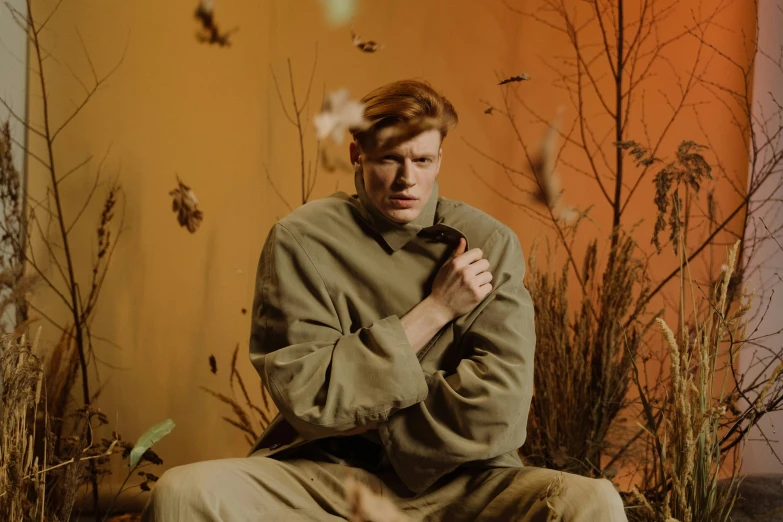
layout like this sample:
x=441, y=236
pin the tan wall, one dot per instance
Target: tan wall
x=212, y=115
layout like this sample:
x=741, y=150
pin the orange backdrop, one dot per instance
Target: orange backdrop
x=212, y=116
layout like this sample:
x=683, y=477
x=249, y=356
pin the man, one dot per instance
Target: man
x=395, y=335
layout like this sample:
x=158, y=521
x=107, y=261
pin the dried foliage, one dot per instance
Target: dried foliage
x=366, y=46
x=339, y=114
x=513, y=79
x=210, y=33
x=38, y=481
x=42, y=237
x=249, y=417
x=14, y=284
x=614, y=49
x=690, y=170
x=583, y=363
x=685, y=426
x=185, y=204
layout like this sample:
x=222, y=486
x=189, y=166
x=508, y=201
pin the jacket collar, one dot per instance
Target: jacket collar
x=395, y=235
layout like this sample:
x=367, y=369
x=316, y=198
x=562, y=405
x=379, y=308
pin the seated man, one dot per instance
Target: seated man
x=393, y=332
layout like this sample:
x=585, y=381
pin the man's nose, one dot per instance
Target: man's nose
x=405, y=176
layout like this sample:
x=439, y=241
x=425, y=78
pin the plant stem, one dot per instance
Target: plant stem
x=74, y=306
x=618, y=127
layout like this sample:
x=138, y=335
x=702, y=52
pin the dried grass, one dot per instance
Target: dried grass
x=583, y=363
x=250, y=418
x=42, y=474
x=686, y=428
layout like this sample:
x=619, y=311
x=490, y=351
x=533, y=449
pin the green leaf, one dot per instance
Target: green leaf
x=150, y=437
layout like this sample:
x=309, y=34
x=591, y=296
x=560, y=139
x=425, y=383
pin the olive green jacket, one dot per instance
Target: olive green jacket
x=334, y=279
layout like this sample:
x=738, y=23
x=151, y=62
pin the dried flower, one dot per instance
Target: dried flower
x=339, y=114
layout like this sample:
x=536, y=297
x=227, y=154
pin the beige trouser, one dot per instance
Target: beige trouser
x=260, y=489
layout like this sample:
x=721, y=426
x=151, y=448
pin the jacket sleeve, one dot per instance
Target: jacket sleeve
x=322, y=379
x=480, y=411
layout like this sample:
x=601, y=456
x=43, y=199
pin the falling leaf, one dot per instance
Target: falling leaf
x=338, y=12
x=184, y=204
x=548, y=189
x=150, y=437
x=212, y=364
x=489, y=110
x=210, y=33
x=237, y=270
x=244, y=311
x=367, y=46
x=521, y=78
x=338, y=114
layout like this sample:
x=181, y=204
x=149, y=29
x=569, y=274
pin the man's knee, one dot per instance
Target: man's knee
x=186, y=488
x=592, y=499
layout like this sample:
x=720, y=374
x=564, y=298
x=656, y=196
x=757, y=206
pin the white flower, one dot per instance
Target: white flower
x=338, y=114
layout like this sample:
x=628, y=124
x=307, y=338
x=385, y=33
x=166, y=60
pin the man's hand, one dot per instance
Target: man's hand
x=462, y=282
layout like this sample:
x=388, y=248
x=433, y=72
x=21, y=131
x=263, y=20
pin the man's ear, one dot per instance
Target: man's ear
x=440, y=159
x=355, y=152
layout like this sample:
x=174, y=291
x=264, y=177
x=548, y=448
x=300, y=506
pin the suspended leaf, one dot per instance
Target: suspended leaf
x=520, y=78
x=339, y=114
x=367, y=46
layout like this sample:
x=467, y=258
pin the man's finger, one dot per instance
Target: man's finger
x=460, y=248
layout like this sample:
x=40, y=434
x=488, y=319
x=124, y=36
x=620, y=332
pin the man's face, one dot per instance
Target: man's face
x=399, y=180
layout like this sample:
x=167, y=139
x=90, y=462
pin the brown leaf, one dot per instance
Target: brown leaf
x=184, y=204
x=212, y=364
x=367, y=46
x=210, y=34
x=520, y=78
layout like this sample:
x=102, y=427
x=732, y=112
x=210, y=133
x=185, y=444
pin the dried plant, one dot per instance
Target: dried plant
x=36, y=482
x=339, y=113
x=51, y=221
x=687, y=428
x=250, y=418
x=366, y=46
x=583, y=363
x=614, y=50
x=14, y=284
x=209, y=33
x=184, y=203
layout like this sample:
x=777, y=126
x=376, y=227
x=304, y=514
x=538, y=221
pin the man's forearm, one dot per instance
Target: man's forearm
x=423, y=322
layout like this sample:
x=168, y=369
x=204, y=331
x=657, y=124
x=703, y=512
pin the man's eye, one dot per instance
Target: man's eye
x=388, y=159
x=424, y=160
